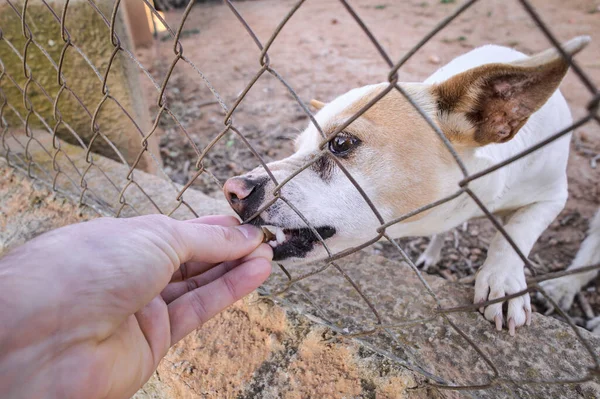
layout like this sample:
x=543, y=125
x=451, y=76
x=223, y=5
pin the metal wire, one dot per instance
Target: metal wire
x=128, y=183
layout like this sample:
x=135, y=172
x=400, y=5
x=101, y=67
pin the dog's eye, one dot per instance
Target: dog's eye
x=343, y=144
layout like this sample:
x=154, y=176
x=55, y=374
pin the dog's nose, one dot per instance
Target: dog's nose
x=244, y=195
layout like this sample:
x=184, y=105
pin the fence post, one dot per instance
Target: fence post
x=137, y=22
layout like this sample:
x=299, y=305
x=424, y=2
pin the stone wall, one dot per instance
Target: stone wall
x=43, y=56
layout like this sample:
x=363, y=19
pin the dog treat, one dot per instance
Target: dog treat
x=269, y=236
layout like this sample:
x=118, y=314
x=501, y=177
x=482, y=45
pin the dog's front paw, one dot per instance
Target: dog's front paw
x=496, y=282
x=594, y=325
x=562, y=290
x=428, y=259
x=432, y=254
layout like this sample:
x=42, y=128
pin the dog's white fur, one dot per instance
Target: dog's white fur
x=563, y=290
x=529, y=192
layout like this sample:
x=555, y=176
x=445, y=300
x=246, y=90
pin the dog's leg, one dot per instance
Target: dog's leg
x=563, y=290
x=594, y=325
x=432, y=254
x=502, y=273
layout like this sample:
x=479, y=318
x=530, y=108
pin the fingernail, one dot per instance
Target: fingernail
x=250, y=232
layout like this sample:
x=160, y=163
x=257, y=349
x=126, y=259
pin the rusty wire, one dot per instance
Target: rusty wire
x=264, y=66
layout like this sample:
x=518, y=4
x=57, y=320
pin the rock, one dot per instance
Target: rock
x=434, y=59
x=548, y=350
x=283, y=349
x=23, y=220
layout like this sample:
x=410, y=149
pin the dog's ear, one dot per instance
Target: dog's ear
x=317, y=104
x=490, y=103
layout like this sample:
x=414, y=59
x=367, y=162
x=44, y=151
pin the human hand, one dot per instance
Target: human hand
x=89, y=310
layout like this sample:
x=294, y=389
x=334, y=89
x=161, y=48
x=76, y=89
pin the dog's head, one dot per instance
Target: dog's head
x=390, y=152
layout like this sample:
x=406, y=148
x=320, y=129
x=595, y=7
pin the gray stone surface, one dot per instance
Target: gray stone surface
x=546, y=351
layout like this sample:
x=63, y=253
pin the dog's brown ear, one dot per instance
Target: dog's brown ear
x=490, y=103
x=317, y=104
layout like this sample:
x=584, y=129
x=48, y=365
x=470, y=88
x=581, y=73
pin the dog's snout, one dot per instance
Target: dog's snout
x=244, y=195
x=237, y=189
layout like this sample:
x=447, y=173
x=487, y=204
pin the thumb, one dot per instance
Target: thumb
x=215, y=244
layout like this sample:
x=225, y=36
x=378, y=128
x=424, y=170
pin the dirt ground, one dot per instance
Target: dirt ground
x=321, y=52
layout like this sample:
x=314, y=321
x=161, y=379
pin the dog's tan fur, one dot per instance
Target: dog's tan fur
x=404, y=146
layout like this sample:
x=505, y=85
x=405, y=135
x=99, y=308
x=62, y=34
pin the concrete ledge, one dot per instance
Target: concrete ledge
x=105, y=180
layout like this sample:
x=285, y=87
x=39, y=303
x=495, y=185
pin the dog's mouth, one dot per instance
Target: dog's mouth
x=294, y=243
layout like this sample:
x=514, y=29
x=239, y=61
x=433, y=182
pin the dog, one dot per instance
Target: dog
x=563, y=289
x=490, y=103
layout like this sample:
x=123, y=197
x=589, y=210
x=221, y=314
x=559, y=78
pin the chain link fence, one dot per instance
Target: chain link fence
x=65, y=173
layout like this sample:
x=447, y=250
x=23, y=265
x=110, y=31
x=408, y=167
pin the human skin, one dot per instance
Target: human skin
x=89, y=310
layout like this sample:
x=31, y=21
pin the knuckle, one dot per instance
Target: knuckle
x=217, y=232
x=199, y=306
x=183, y=269
x=230, y=287
x=151, y=222
x=191, y=284
x=229, y=234
x=226, y=236
x=159, y=219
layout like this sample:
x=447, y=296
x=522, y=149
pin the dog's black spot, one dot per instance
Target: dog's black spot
x=257, y=221
x=301, y=242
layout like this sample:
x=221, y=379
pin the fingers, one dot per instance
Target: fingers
x=195, y=280
x=196, y=307
x=145, y=251
x=562, y=291
x=213, y=243
x=190, y=269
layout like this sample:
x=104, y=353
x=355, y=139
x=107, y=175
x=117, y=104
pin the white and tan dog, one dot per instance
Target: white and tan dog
x=491, y=103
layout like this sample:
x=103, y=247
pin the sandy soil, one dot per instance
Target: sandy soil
x=28, y=209
x=322, y=53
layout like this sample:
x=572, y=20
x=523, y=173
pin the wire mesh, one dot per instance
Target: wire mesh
x=123, y=190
